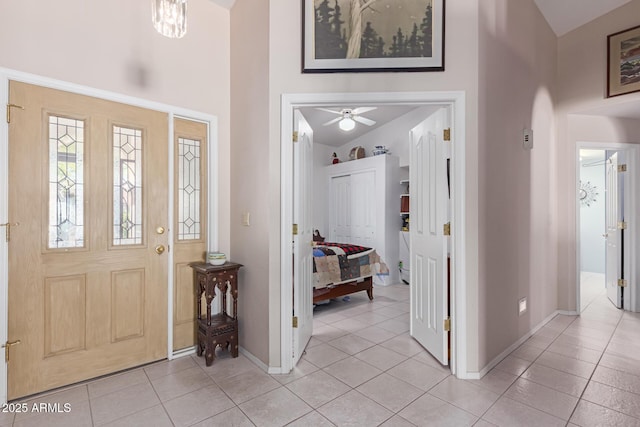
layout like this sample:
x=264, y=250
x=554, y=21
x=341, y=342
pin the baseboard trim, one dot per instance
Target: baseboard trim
x=254, y=359
x=184, y=352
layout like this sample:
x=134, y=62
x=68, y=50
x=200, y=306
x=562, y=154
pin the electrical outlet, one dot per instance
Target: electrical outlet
x=527, y=139
x=522, y=306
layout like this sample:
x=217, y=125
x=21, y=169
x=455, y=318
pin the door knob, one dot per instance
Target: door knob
x=160, y=249
x=160, y=230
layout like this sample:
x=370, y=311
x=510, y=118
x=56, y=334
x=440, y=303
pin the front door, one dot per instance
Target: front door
x=87, y=263
x=428, y=248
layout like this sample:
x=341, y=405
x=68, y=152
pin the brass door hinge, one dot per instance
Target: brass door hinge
x=295, y=229
x=446, y=229
x=9, y=107
x=622, y=168
x=295, y=136
x=446, y=134
x=295, y=321
x=7, y=346
x=7, y=232
x=447, y=324
x=622, y=283
x=622, y=225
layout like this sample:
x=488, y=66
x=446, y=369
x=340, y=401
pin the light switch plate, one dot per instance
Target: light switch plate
x=522, y=306
x=246, y=219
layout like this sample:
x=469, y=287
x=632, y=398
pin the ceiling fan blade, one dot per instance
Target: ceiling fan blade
x=330, y=122
x=364, y=120
x=329, y=111
x=361, y=110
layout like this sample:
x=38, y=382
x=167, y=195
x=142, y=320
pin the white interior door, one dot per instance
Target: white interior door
x=613, y=234
x=303, y=241
x=428, y=214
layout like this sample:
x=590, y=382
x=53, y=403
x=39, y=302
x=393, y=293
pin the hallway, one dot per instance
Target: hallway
x=362, y=368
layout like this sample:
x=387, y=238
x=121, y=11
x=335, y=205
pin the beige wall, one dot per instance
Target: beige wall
x=113, y=46
x=582, y=78
x=517, y=195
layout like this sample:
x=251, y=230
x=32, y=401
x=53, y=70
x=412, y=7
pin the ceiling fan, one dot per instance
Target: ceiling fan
x=349, y=117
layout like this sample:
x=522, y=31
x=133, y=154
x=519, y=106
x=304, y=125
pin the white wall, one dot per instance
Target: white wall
x=592, y=218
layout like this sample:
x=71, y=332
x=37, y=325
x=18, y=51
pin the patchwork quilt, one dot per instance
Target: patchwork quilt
x=336, y=263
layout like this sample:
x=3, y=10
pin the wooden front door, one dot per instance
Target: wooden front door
x=88, y=185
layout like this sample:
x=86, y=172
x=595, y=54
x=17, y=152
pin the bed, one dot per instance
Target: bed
x=341, y=269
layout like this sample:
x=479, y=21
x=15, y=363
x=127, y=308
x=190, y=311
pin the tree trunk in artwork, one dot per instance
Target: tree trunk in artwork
x=355, y=38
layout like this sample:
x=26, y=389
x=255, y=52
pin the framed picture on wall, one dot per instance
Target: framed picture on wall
x=372, y=35
x=623, y=52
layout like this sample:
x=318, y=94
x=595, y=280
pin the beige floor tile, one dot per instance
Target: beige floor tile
x=247, y=385
x=465, y=395
x=557, y=380
x=121, y=403
x=328, y=333
x=513, y=365
x=351, y=344
x=198, y=405
x=586, y=342
x=404, y=344
x=303, y=368
x=116, y=382
x=233, y=417
x=620, y=363
x=425, y=357
x=351, y=325
x=566, y=364
x=276, y=408
x=182, y=382
x=167, y=367
x=390, y=392
x=155, y=416
x=618, y=379
x=324, y=355
x=380, y=357
x=370, y=317
x=527, y=352
x=539, y=341
x=354, y=409
x=391, y=311
x=431, y=411
x=496, y=381
x=79, y=415
x=352, y=371
x=73, y=396
x=548, y=400
x=375, y=334
x=613, y=398
x=483, y=423
x=507, y=412
x=318, y=388
x=576, y=352
x=589, y=414
x=225, y=366
x=395, y=325
x=397, y=421
x=624, y=348
x=6, y=418
x=312, y=419
x=422, y=376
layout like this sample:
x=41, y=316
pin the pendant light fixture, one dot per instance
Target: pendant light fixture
x=170, y=17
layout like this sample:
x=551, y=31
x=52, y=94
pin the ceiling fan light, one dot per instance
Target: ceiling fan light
x=169, y=17
x=347, y=124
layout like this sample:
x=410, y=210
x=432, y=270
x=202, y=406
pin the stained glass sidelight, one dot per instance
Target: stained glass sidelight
x=127, y=186
x=66, y=183
x=189, y=189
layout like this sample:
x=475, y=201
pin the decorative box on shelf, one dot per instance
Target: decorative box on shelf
x=216, y=329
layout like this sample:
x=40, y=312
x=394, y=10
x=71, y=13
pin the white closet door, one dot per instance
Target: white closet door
x=363, y=212
x=340, y=214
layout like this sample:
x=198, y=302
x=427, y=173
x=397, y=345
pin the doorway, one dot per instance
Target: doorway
x=456, y=101
x=605, y=215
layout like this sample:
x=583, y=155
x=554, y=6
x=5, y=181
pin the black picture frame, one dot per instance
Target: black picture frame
x=327, y=39
x=623, y=62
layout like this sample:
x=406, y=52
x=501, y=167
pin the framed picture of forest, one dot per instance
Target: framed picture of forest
x=623, y=57
x=372, y=35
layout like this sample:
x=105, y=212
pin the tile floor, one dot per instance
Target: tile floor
x=362, y=369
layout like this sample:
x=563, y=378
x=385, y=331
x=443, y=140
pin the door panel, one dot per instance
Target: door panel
x=87, y=290
x=363, y=218
x=428, y=213
x=613, y=234
x=303, y=241
x=190, y=183
x=340, y=215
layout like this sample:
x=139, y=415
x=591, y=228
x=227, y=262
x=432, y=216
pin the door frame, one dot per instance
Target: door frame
x=456, y=99
x=7, y=75
x=630, y=298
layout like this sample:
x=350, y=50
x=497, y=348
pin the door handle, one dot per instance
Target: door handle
x=160, y=249
x=605, y=235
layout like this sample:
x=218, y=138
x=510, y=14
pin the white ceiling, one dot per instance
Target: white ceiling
x=567, y=15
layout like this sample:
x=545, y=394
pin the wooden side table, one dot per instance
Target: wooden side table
x=219, y=329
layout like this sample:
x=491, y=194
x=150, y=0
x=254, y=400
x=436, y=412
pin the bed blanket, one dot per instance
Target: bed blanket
x=335, y=263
